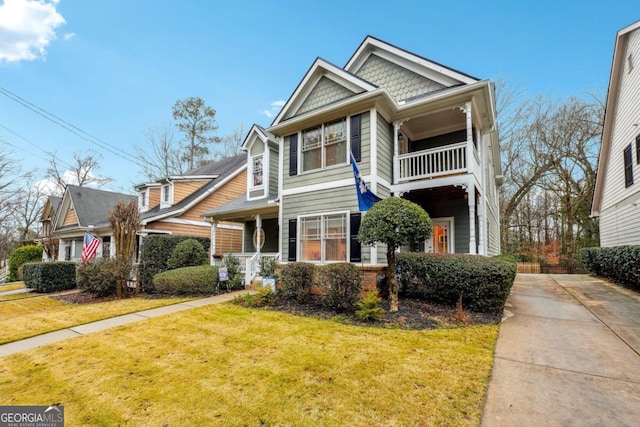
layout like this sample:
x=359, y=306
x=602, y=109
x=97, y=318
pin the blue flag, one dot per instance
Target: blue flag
x=366, y=198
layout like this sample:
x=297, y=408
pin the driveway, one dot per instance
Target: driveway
x=567, y=355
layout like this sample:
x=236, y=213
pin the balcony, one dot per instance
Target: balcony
x=432, y=163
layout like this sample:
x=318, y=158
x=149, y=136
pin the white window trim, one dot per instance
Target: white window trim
x=322, y=215
x=251, y=171
x=169, y=190
x=323, y=167
x=143, y=200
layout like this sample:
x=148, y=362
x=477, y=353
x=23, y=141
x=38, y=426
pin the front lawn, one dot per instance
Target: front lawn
x=11, y=286
x=27, y=317
x=229, y=365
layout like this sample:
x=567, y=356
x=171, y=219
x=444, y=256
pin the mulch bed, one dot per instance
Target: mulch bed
x=412, y=314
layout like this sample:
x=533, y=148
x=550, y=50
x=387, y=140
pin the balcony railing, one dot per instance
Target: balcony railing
x=431, y=163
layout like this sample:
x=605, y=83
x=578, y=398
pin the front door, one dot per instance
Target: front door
x=441, y=240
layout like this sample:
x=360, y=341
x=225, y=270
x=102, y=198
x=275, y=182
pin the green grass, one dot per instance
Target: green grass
x=227, y=365
x=27, y=317
x=11, y=286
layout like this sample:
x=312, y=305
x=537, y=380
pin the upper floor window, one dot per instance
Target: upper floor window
x=257, y=171
x=324, y=145
x=166, y=195
x=628, y=167
x=143, y=199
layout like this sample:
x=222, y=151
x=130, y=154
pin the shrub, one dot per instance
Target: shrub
x=369, y=308
x=263, y=298
x=188, y=253
x=340, y=285
x=154, y=254
x=20, y=256
x=199, y=280
x=484, y=283
x=100, y=276
x=46, y=277
x=297, y=280
x=268, y=266
x=232, y=263
x=506, y=257
x=621, y=264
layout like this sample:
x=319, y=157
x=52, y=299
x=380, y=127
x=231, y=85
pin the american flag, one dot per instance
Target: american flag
x=89, y=247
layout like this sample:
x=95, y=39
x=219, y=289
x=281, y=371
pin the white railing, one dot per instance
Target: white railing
x=249, y=264
x=431, y=163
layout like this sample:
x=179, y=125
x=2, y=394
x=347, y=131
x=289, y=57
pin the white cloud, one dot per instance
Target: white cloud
x=26, y=28
x=69, y=36
x=275, y=108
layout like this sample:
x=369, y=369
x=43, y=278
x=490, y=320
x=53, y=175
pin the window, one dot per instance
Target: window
x=143, y=199
x=106, y=247
x=324, y=145
x=166, y=197
x=323, y=238
x=256, y=165
x=628, y=167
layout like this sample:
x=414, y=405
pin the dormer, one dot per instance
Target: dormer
x=148, y=195
x=262, y=158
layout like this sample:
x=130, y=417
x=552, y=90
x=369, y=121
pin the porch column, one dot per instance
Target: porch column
x=396, y=163
x=60, y=250
x=469, y=125
x=471, y=199
x=212, y=246
x=258, y=233
x=482, y=220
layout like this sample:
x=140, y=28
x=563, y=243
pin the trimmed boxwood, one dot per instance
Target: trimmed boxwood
x=154, y=254
x=46, y=277
x=199, y=280
x=620, y=264
x=484, y=283
x=20, y=256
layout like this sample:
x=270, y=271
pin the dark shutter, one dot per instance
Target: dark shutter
x=355, y=138
x=293, y=241
x=354, y=228
x=293, y=154
x=628, y=167
x=638, y=149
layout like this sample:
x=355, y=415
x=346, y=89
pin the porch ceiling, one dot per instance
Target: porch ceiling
x=437, y=123
x=436, y=194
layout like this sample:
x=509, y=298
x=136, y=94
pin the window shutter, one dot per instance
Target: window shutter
x=628, y=167
x=355, y=138
x=293, y=234
x=356, y=249
x=293, y=154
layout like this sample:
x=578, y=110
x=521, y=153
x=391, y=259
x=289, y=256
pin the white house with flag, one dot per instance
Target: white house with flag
x=389, y=123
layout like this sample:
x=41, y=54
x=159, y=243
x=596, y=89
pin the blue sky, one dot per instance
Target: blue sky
x=114, y=68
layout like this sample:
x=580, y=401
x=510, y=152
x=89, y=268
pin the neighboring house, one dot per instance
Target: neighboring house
x=616, y=199
x=174, y=204
x=81, y=210
x=48, y=242
x=417, y=129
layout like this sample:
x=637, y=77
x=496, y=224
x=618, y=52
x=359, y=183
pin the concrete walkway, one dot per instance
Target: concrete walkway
x=87, y=328
x=569, y=355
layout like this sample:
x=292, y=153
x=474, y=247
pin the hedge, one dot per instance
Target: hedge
x=296, y=280
x=46, y=277
x=484, y=283
x=199, y=280
x=340, y=284
x=154, y=254
x=620, y=264
x=20, y=256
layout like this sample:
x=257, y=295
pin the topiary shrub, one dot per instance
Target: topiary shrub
x=200, y=280
x=188, y=253
x=340, y=285
x=47, y=277
x=296, y=279
x=100, y=276
x=155, y=251
x=20, y=256
x=484, y=283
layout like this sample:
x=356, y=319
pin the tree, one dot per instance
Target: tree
x=394, y=222
x=81, y=172
x=125, y=221
x=10, y=178
x=197, y=122
x=29, y=202
x=161, y=156
x=231, y=145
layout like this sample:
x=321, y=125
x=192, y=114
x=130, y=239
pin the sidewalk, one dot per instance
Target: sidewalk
x=100, y=325
x=569, y=355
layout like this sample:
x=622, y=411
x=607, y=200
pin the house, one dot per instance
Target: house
x=174, y=204
x=48, y=242
x=81, y=210
x=416, y=129
x=616, y=200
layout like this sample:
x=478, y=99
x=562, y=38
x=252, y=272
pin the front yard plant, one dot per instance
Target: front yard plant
x=340, y=285
x=200, y=280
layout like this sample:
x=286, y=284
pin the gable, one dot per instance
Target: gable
x=70, y=217
x=400, y=82
x=325, y=92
